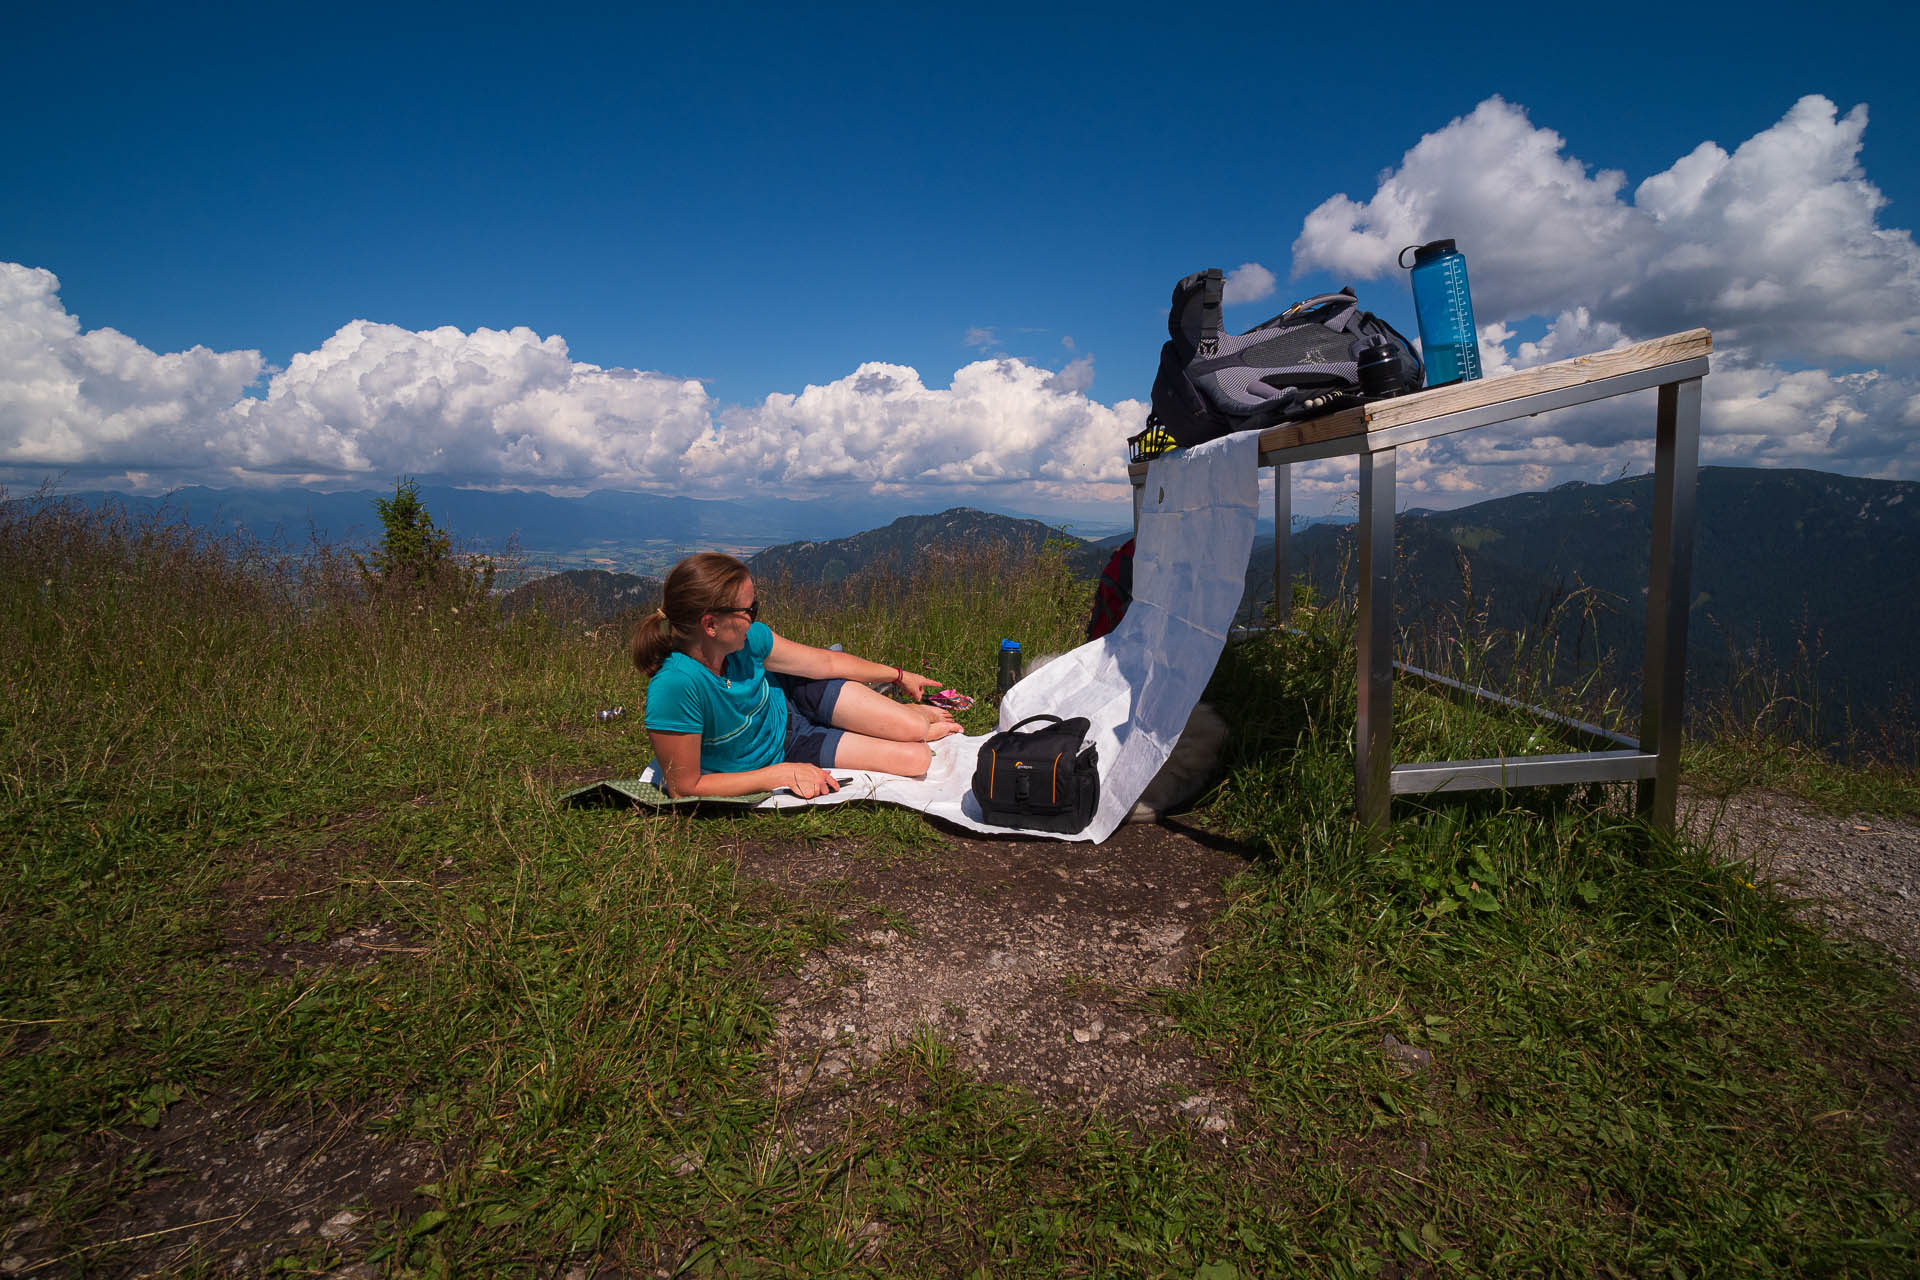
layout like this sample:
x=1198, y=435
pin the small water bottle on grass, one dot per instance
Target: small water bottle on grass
x=1011, y=667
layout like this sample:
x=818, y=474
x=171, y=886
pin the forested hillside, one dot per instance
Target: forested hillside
x=1804, y=573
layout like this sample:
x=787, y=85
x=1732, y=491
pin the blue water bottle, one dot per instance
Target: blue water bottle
x=1448, y=340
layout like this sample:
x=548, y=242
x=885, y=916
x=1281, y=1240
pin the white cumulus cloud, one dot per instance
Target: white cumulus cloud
x=490, y=406
x=1777, y=246
x=1248, y=282
x=513, y=408
x=1001, y=421
x=98, y=400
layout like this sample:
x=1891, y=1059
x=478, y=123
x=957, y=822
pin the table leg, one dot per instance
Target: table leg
x=1676, y=464
x=1282, y=544
x=1373, y=730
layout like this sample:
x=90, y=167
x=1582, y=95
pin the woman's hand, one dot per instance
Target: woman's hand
x=917, y=685
x=809, y=780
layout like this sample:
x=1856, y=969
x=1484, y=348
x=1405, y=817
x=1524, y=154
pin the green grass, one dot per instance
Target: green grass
x=1641, y=1064
x=1865, y=784
x=1765, y=731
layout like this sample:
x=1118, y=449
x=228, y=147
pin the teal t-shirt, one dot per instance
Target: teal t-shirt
x=741, y=717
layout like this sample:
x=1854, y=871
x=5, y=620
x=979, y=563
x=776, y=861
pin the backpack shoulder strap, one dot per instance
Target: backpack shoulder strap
x=1193, y=321
x=1210, y=313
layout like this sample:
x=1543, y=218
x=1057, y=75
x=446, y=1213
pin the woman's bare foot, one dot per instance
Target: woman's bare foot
x=935, y=715
x=939, y=729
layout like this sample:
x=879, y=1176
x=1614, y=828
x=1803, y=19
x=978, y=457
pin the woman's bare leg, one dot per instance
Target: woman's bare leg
x=861, y=710
x=857, y=751
x=884, y=735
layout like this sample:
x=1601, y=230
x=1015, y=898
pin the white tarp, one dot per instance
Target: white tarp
x=1138, y=684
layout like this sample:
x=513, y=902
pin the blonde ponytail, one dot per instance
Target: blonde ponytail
x=652, y=642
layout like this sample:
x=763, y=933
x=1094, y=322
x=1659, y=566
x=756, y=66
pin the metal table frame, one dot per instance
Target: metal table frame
x=1372, y=434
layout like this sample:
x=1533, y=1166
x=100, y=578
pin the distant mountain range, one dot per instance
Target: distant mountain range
x=908, y=541
x=592, y=595
x=606, y=529
x=535, y=521
x=913, y=539
x=1782, y=560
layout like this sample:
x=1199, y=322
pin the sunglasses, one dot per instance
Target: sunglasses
x=751, y=609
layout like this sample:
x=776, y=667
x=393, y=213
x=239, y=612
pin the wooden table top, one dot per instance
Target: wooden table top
x=1400, y=411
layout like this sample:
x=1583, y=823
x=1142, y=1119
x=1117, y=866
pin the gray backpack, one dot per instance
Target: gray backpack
x=1301, y=363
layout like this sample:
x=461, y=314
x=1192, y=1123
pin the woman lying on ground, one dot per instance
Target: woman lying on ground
x=733, y=707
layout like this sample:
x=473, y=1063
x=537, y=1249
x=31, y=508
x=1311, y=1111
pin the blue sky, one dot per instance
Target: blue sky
x=958, y=229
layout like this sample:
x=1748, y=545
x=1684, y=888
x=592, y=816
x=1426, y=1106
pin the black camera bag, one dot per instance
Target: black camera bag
x=1044, y=779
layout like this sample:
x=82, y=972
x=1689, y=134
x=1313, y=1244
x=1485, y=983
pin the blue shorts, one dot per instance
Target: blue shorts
x=811, y=737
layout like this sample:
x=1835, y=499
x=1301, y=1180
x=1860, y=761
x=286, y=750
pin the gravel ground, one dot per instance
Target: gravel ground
x=1858, y=875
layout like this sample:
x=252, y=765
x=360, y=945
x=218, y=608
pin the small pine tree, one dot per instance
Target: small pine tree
x=416, y=555
x=413, y=551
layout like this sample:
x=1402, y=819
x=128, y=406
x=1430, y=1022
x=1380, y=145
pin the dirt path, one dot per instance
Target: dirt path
x=1032, y=958
x=1858, y=875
